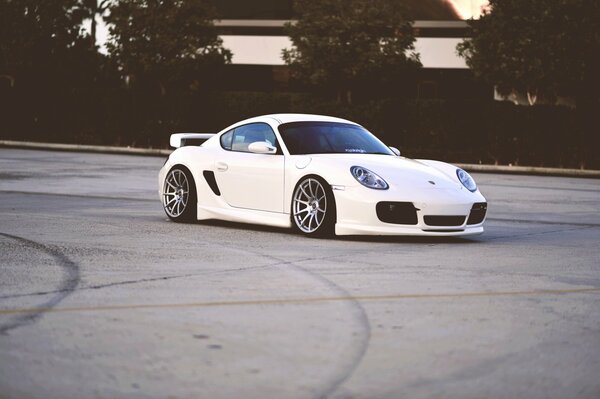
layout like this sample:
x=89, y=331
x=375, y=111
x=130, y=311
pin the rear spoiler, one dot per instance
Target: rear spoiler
x=182, y=139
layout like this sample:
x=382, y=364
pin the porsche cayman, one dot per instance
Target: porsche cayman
x=319, y=175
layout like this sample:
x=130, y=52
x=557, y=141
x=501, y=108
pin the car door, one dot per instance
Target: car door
x=249, y=180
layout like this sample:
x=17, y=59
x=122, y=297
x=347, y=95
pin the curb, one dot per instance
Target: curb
x=518, y=170
x=530, y=170
x=84, y=148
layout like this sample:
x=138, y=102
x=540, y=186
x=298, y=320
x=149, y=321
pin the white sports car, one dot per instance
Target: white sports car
x=319, y=175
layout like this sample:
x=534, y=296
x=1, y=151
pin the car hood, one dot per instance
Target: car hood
x=398, y=171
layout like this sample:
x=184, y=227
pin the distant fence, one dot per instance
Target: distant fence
x=468, y=131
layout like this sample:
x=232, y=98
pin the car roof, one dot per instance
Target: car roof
x=287, y=118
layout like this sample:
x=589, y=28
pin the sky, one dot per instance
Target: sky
x=468, y=8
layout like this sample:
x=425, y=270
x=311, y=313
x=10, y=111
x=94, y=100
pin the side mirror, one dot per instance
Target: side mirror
x=395, y=151
x=262, y=147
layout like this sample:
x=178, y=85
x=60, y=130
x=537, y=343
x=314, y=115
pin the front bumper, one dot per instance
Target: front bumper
x=357, y=214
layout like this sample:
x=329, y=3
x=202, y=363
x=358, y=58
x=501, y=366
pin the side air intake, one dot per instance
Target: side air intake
x=209, y=176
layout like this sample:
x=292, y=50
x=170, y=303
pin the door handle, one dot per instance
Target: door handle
x=222, y=166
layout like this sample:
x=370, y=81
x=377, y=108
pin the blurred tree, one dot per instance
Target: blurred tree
x=346, y=43
x=92, y=10
x=165, y=41
x=45, y=56
x=542, y=48
x=254, y=9
x=40, y=40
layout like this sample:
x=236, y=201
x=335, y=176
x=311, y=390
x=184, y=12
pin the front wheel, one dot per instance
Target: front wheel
x=179, y=195
x=313, y=207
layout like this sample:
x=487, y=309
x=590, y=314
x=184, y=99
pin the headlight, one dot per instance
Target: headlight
x=368, y=178
x=466, y=180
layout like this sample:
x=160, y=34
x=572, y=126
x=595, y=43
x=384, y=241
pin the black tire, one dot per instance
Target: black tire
x=313, y=210
x=179, y=196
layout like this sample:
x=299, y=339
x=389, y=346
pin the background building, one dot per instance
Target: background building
x=254, y=31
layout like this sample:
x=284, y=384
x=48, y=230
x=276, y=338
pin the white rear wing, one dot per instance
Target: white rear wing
x=182, y=139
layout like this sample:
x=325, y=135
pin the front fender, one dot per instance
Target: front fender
x=299, y=166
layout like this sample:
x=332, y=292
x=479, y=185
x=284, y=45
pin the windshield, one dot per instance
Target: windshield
x=330, y=137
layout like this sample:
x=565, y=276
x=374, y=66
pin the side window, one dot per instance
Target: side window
x=226, y=139
x=245, y=135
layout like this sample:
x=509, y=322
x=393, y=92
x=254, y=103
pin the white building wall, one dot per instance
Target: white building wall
x=256, y=50
x=267, y=50
x=437, y=52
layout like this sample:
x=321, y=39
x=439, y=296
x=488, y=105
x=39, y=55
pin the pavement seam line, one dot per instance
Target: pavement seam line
x=299, y=301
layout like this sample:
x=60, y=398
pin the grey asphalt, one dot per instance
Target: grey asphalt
x=102, y=297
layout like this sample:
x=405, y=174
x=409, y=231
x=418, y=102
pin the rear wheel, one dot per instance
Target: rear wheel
x=313, y=207
x=179, y=195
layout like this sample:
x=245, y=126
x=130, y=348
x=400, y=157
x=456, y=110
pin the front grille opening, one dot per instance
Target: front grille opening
x=444, y=220
x=397, y=212
x=443, y=231
x=478, y=212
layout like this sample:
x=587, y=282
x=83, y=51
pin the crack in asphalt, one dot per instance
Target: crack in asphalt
x=68, y=284
x=95, y=287
x=162, y=278
x=540, y=233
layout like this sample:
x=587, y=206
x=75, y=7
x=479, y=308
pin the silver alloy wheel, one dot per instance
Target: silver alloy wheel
x=175, y=193
x=309, y=206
